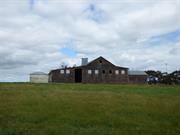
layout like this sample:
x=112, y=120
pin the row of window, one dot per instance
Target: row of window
x=110, y=72
x=67, y=71
x=63, y=71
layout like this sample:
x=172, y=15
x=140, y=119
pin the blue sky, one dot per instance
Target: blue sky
x=69, y=52
x=31, y=4
x=39, y=35
x=171, y=37
x=165, y=40
x=95, y=14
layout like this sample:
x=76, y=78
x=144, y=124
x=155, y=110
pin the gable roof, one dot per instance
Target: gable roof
x=102, y=58
x=99, y=58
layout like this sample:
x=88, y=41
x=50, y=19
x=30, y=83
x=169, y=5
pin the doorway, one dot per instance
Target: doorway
x=78, y=75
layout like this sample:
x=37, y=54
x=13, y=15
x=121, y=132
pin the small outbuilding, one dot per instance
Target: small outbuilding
x=137, y=77
x=39, y=77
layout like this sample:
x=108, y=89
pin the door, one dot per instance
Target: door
x=78, y=75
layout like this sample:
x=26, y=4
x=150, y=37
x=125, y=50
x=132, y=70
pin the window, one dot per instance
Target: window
x=110, y=71
x=96, y=72
x=67, y=71
x=62, y=71
x=122, y=72
x=100, y=61
x=103, y=71
x=89, y=72
x=117, y=72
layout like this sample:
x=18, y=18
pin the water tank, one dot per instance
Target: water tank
x=38, y=77
x=84, y=61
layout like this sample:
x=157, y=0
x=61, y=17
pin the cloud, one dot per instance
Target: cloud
x=137, y=34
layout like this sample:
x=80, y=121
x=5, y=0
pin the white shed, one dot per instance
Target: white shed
x=39, y=77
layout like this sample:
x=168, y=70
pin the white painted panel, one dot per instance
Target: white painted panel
x=39, y=78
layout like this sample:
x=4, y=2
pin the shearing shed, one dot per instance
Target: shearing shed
x=99, y=70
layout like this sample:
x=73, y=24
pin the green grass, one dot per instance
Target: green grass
x=89, y=109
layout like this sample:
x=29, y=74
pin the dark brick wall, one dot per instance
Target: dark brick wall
x=137, y=79
x=107, y=77
x=56, y=76
x=104, y=78
x=99, y=64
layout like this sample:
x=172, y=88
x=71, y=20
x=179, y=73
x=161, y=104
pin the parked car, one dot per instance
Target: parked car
x=152, y=80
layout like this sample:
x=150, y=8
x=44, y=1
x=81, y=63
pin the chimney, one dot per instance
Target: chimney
x=84, y=61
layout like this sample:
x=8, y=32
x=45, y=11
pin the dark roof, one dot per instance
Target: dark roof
x=122, y=67
x=100, y=57
x=61, y=68
x=88, y=64
x=105, y=60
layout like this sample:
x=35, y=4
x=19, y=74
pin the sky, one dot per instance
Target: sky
x=41, y=35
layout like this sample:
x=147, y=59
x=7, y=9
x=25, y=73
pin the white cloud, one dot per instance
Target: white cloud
x=31, y=35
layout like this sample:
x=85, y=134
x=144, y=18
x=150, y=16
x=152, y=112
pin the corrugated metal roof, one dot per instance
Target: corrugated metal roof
x=38, y=73
x=137, y=73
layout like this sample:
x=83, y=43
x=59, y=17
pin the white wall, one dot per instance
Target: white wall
x=39, y=78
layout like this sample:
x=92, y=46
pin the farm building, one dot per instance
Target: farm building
x=99, y=70
x=39, y=77
x=137, y=76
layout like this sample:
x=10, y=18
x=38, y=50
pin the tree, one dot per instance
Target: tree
x=63, y=65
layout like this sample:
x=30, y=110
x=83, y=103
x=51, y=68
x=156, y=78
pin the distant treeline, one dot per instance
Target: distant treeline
x=155, y=77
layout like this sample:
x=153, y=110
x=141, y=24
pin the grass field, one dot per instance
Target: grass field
x=89, y=109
